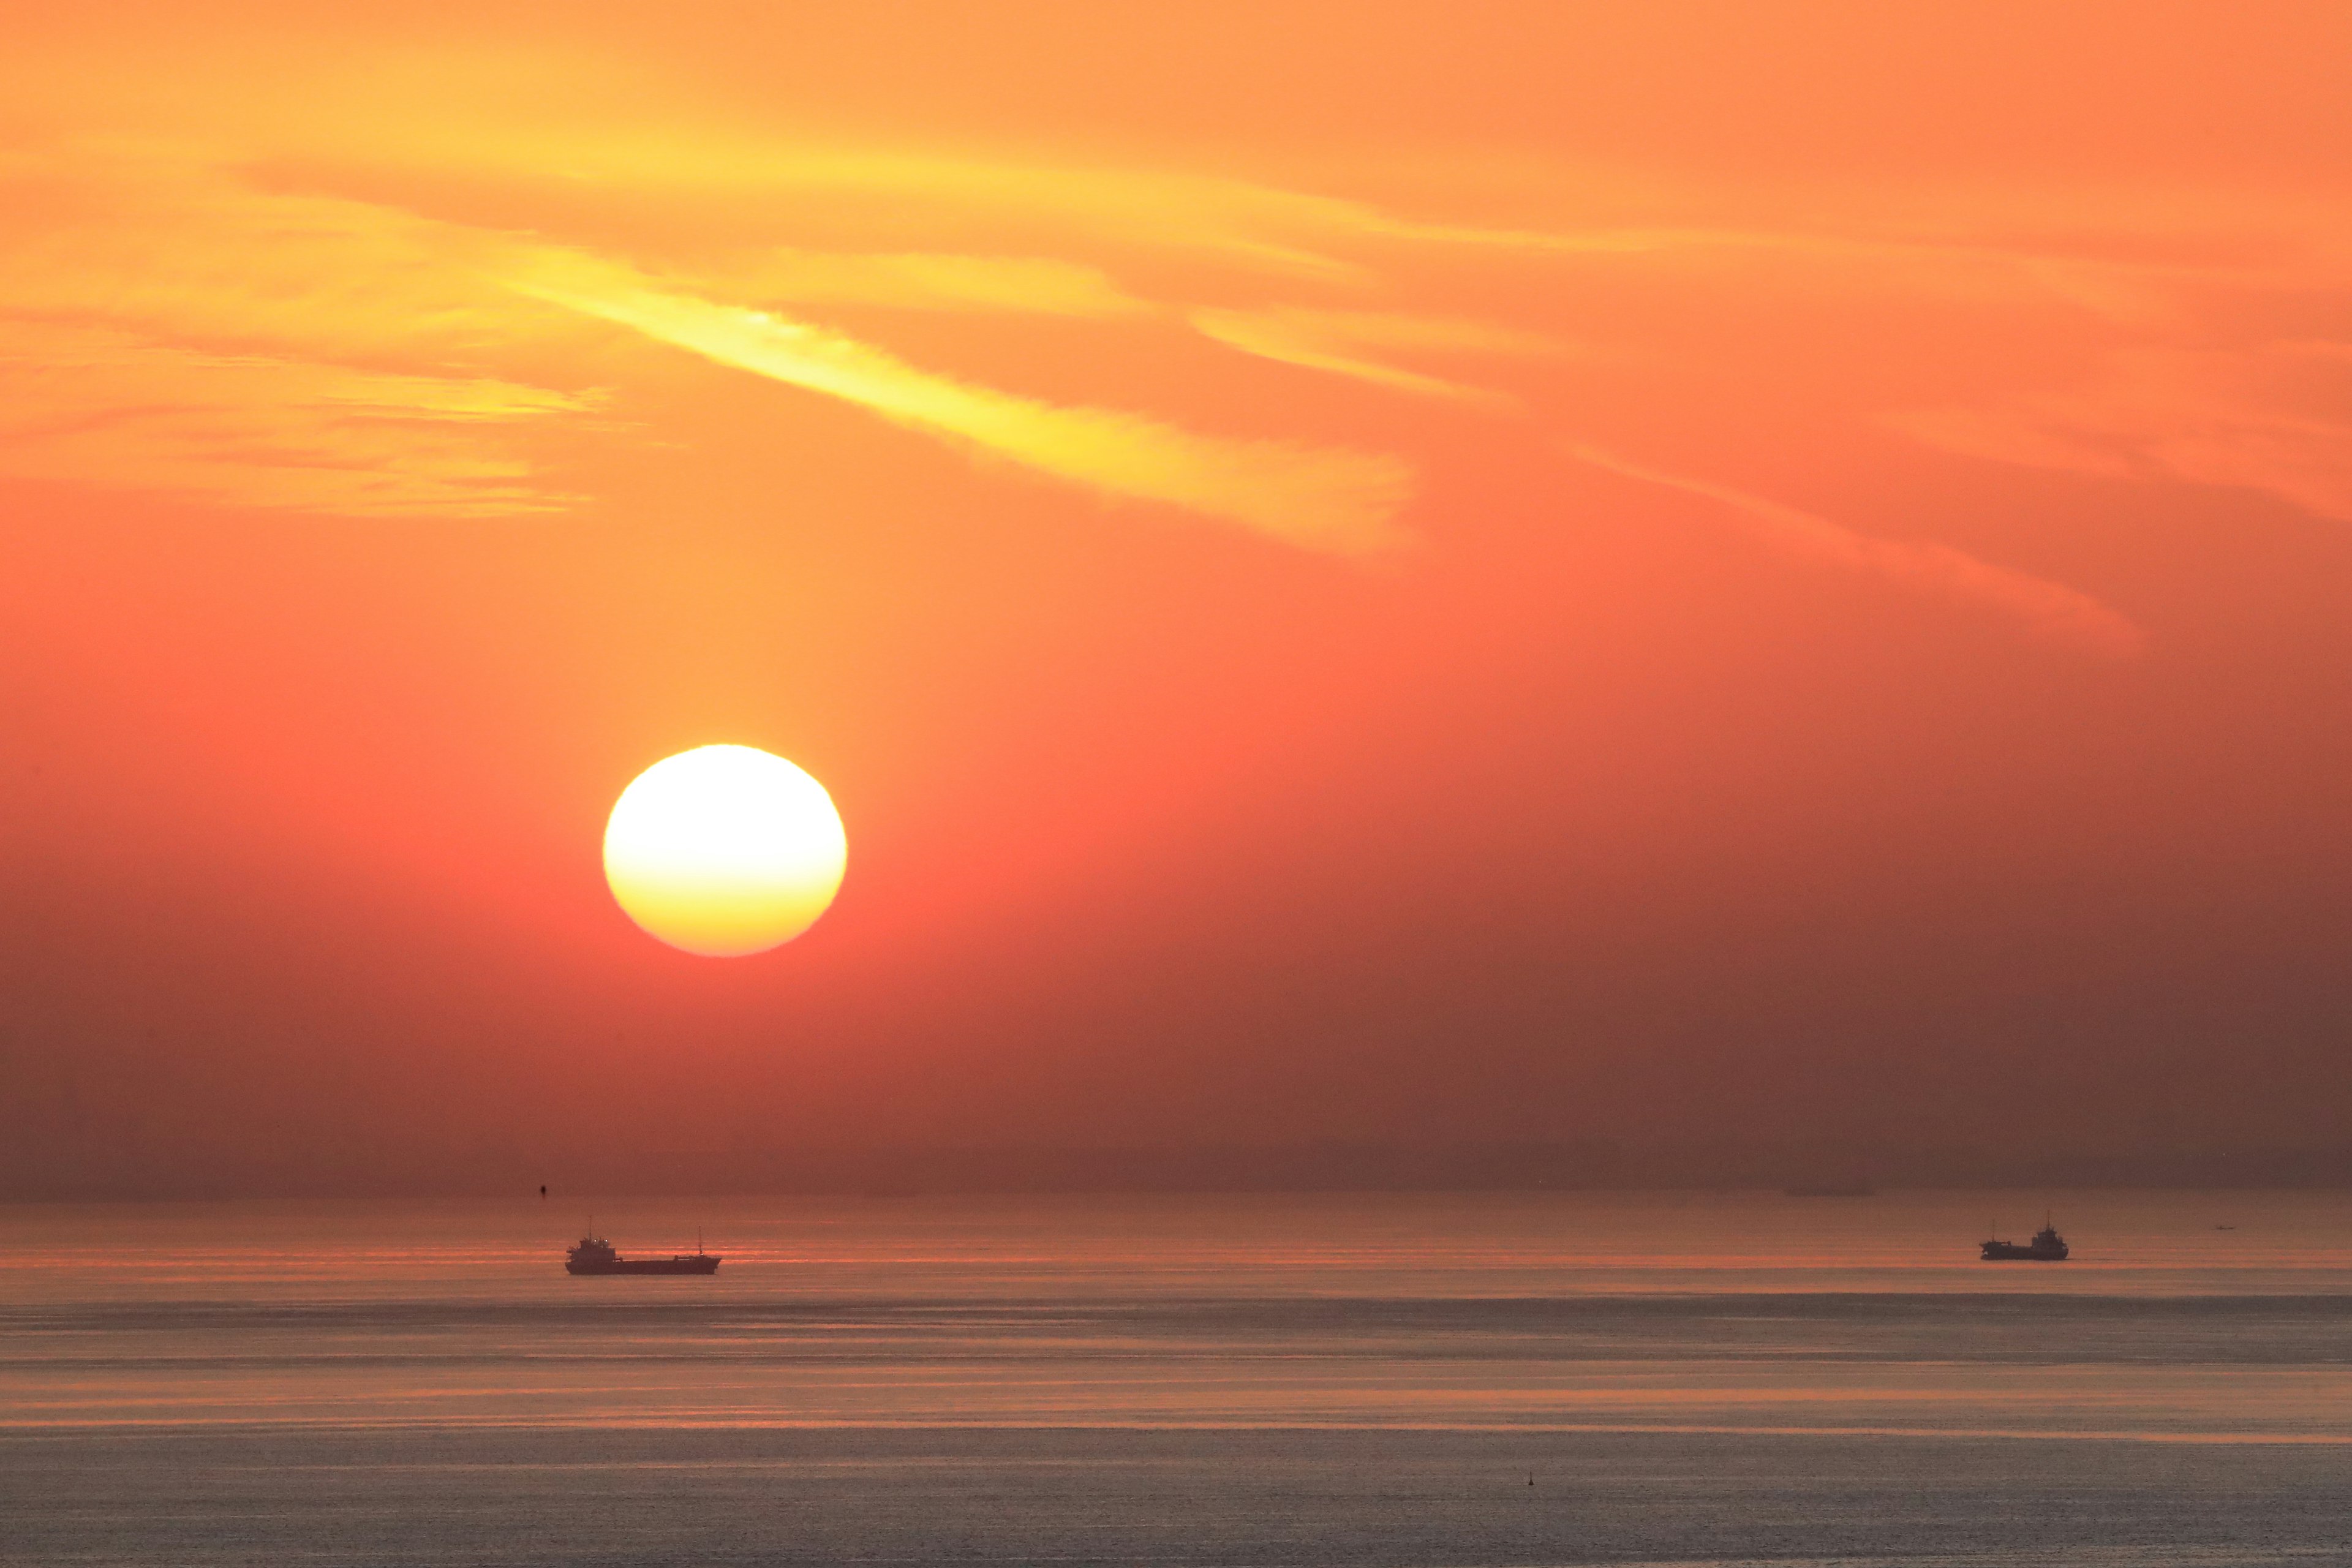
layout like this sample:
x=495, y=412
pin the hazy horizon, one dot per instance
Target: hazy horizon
x=1587, y=1166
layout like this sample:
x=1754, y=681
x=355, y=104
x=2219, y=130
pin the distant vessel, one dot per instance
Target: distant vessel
x=2047, y=1247
x=594, y=1254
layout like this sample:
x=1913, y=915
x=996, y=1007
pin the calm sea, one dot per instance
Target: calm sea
x=1363, y=1380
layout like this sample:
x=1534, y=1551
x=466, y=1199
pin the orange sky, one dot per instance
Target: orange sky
x=1356, y=572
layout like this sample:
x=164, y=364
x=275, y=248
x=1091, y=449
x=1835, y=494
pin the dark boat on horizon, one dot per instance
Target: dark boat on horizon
x=2047, y=1247
x=594, y=1254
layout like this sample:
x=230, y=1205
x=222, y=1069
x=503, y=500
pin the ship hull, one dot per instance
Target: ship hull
x=2010, y=1252
x=702, y=1264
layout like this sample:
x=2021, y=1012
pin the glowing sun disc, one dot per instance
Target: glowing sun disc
x=724, y=850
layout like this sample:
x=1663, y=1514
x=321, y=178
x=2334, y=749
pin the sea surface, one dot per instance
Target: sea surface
x=1457, y=1379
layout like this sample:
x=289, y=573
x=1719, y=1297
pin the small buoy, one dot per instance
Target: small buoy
x=542, y=1192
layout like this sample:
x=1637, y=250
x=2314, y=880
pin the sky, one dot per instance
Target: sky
x=1390, y=574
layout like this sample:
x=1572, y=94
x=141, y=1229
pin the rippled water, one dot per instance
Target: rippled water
x=1363, y=1380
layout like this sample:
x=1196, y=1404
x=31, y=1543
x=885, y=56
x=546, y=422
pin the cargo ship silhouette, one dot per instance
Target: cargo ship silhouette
x=594, y=1254
x=2047, y=1247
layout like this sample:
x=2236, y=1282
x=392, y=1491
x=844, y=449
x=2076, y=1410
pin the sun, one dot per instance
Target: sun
x=724, y=850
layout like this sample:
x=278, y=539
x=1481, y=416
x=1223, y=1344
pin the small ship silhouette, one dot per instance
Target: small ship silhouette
x=2047, y=1247
x=594, y=1254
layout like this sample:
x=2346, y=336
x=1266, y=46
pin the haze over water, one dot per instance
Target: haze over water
x=1206, y=1380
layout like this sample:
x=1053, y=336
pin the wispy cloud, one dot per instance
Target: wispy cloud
x=2051, y=609
x=2248, y=420
x=316, y=293
x=1323, y=498
x=177, y=248
x=271, y=346
x=163, y=326
x=88, y=404
x=968, y=202
x=932, y=280
x=1335, y=342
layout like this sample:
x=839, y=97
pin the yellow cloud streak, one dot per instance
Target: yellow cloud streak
x=2050, y=608
x=1323, y=498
